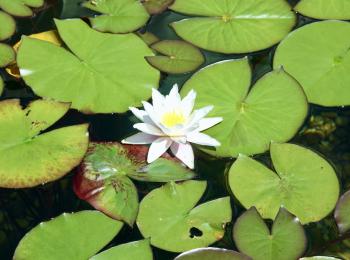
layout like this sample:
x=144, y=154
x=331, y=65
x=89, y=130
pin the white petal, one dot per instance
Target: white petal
x=158, y=147
x=202, y=139
x=141, y=114
x=173, y=100
x=154, y=116
x=184, y=152
x=206, y=123
x=198, y=115
x=158, y=99
x=188, y=102
x=179, y=139
x=139, y=138
x=148, y=129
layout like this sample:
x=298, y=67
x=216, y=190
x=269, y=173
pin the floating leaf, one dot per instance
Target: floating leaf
x=7, y=55
x=342, y=213
x=117, y=16
x=49, y=36
x=302, y=178
x=103, y=177
x=20, y=7
x=140, y=250
x=324, y=9
x=102, y=67
x=167, y=216
x=148, y=37
x=237, y=26
x=176, y=57
x=287, y=239
x=8, y=26
x=156, y=6
x=211, y=253
x=70, y=236
x=320, y=64
x=273, y=110
x=44, y=157
x=1, y=85
x=319, y=258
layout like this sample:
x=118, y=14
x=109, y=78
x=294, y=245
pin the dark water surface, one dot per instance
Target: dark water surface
x=326, y=131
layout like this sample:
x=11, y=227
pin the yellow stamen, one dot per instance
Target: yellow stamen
x=172, y=118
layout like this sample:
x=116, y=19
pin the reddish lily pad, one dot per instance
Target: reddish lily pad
x=156, y=6
x=175, y=57
x=342, y=213
x=103, y=177
x=211, y=253
x=286, y=240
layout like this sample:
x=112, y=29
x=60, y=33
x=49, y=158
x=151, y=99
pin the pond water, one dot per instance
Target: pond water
x=326, y=130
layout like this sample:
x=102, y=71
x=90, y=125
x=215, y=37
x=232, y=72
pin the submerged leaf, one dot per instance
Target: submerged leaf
x=44, y=157
x=236, y=26
x=102, y=67
x=156, y=6
x=302, y=177
x=211, y=253
x=287, y=239
x=320, y=64
x=103, y=177
x=273, y=110
x=138, y=250
x=342, y=213
x=75, y=236
x=148, y=37
x=175, y=57
x=168, y=217
x=117, y=16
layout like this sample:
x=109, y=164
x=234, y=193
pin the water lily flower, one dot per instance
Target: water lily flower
x=171, y=123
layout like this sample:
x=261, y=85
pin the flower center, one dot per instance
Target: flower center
x=172, y=118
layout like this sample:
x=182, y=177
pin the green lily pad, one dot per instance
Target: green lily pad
x=211, y=253
x=342, y=213
x=103, y=177
x=140, y=250
x=175, y=57
x=324, y=9
x=319, y=258
x=8, y=26
x=302, y=177
x=7, y=55
x=117, y=16
x=273, y=110
x=1, y=85
x=156, y=6
x=44, y=157
x=320, y=64
x=148, y=37
x=102, y=67
x=167, y=216
x=239, y=26
x=75, y=236
x=20, y=7
x=287, y=239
